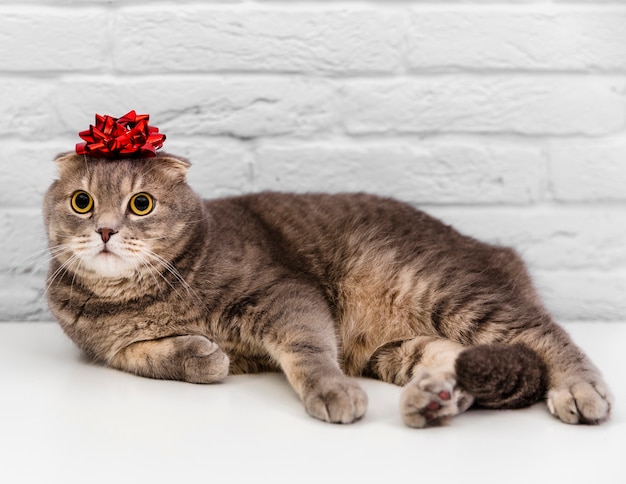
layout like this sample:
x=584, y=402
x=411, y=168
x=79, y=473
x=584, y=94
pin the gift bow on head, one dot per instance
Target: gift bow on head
x=125, y=137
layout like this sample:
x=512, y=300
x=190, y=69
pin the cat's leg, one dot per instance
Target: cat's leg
x=191, y=358
x=327, y=394
x=577, y=392
x=301, y=337
x=425, y=366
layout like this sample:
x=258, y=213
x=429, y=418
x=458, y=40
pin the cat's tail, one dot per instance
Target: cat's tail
x=502, y=376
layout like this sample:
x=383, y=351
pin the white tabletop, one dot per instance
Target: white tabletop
x=65, y=420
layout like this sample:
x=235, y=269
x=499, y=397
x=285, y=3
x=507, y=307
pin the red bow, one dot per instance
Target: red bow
x=125, y=137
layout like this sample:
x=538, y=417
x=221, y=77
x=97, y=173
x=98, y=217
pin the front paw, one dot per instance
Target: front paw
x=580, y=402
x=431, y=398
x=336, y=401
x=203, y=360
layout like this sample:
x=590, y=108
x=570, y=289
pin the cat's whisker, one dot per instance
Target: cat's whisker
x=177, y=276
x=46, y=260
x=61, y=270
x=168, y=265
x=189, y=291
x=150, y=239
x=151, y=270
x=41, y=300
x=197, y=221
x=35, y=258
x=78, y=268
x=172, y=270
x=32, y=266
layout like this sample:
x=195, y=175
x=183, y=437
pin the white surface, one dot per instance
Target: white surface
x=65, y=420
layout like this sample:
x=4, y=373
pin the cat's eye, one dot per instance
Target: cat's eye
x=82, y=202
x=141, y=204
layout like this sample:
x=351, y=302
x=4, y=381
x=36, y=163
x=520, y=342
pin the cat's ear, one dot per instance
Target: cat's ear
x=175, y=166
x=69, y=162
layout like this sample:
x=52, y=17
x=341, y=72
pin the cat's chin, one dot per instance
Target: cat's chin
x=109, y=265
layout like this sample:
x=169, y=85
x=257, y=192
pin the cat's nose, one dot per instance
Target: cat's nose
x=105, y=234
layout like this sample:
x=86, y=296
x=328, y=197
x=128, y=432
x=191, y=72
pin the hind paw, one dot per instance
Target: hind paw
x=580, y=402
x=431, y=398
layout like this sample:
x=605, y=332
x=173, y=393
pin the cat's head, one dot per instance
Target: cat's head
x=119, y=218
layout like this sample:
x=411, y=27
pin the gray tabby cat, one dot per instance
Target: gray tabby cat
x=148, y=278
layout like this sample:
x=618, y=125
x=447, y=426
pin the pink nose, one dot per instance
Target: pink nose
x=106, y=234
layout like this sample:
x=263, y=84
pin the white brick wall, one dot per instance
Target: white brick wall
x=504, y=118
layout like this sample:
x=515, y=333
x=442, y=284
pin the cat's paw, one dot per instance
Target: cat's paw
x=203, y=360
x=431, y=398
x=336, y=401
x=580, y=402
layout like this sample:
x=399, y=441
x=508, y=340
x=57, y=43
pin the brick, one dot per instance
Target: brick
x=589, y=171
x=72, y=3
x=30, y=169
x=427, y=3
x=418, y=172
x=24, y=241
x=591, y=2
x=220, y=167
x=583, y=295
x=239, y=106
x=27, y=108
x=53, y=39
x=538, y=39
x=548, y=238
x=540, y=106
x=293, y=40
x=22, y=298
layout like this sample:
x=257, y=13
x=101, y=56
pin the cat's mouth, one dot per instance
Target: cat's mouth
x=103, y=248
x=106, y=253
x=108, y=263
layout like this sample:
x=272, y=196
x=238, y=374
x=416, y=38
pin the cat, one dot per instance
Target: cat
x=148, y=278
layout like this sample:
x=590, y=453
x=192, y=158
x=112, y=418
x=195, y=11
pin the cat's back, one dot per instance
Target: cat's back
x=328, y=233
x=335, y=236
x=325, y=217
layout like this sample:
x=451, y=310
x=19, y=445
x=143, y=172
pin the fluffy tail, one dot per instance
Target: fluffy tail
x=502, y=376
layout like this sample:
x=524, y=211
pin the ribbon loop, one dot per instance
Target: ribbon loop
x=124, y=137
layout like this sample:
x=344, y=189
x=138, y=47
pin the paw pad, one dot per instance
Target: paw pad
x=433, y=406
x=431, y=398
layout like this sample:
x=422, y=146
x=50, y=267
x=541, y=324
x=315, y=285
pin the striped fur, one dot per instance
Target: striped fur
x=321, y=287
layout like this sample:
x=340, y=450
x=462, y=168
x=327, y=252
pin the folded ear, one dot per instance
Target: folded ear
x=175, y=166
x=69, y=162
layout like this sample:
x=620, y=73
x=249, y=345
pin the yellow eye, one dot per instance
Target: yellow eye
x=82, y=202
x=141, y=204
